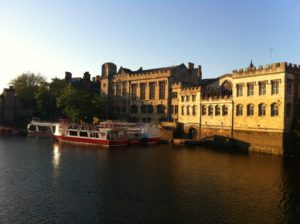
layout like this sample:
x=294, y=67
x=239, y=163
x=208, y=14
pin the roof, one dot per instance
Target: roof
x=205, y=82
x=140, y=70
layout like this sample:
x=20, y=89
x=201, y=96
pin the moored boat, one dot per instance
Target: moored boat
x=89, y=134
x=38, y=128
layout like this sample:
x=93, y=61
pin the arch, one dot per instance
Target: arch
x=226, y=87
x=161, y=109
x=274, y=109
x=133, y=109
x=239, y=110
x=193, y=134
x=262, y=109
x=250, y=109
x=143, y=109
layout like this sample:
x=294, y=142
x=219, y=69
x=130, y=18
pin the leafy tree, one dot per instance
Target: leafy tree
x=26, y=85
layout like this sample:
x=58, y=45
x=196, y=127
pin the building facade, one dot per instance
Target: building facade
x=257, y=107
x=146, y=95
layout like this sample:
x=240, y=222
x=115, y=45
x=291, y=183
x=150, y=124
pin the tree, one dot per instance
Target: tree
x=26, y=85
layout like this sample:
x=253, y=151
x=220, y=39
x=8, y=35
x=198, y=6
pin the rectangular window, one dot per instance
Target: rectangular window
x=182, y=98
x=162, y=90
x=193, y=98
x=239, y=90
x=174, y=95
x=152, y=90
x=143, y=91
x=194, y=111
x=187, y=98
x=250, y=91
x=275, y=87
x=224, y=110
x=133, y=91
x=187, y=110
x=176, y=109
x=262, y=88
x=210, y=110
x=203, y=110
x=182, y=110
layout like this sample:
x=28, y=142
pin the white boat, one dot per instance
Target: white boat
x=89, y=134
x=38, y=128
x=137, y=132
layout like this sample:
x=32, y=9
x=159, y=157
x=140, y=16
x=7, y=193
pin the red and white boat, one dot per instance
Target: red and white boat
x=88, y=134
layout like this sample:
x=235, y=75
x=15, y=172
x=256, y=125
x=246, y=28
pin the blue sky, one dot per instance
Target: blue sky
x=51, y=37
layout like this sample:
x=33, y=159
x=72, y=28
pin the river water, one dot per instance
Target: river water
x=42, y=181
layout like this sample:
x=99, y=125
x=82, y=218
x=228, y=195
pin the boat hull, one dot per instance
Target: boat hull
x=102, y=142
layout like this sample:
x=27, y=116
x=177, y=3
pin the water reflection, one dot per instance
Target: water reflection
x=56, y=159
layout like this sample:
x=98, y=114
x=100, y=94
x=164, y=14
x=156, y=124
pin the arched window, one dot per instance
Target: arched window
x=160, y=109
x=262, y=110
x=224, y=110
x=133, y=109
x=188, y=110
x=274, y=110
x=150, y=109
x=182, y=110
x=250, y=110
x=194, y=110
x=239, y=110
x=217, y=110
x=210, y=110
x=143, y=109
x=203, y=110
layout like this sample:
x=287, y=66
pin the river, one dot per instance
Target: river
x=42, y=181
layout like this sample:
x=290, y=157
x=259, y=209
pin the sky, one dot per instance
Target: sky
x=53, y=36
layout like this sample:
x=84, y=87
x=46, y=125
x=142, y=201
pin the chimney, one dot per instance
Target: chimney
x=199, y=72
x=191, y=66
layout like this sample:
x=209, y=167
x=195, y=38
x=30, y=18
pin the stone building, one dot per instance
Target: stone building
x=85, y=82
x=257, y=107
x=10, y=107
x=146, y=95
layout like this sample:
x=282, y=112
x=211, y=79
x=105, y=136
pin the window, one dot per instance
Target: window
x=217, y=110
x=203, y=110
x=288, y=109
x=239, y=90
x=187, y=110
x=150, y=109
x=275, y=86
x=162, y=89
x=143, y=109
x=182, y=110
x=160, y=109
x=176, y=109
x=152, y=90
x=143, y=91
x=73, y=133
x=182, y=98
x=224, y=110
x=262, y=110
x=239, y=110
x=124, y=88
x=194, y=110
x=187, y=98
x=250, y=91
x=118, y=90
x=193, y=98
x=133, y=109
x=210, y=110
x=133, y=91
x=274, y=110
x=250, y=110
x=262, y=88
x=83, y=134
x=174, y=95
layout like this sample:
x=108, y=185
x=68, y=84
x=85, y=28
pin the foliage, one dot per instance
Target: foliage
x=26, y=86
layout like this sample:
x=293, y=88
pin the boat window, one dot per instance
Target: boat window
x=73, y=133
x=94, y=135
x=83, y=134
x=43, y=128
x=32, y=128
